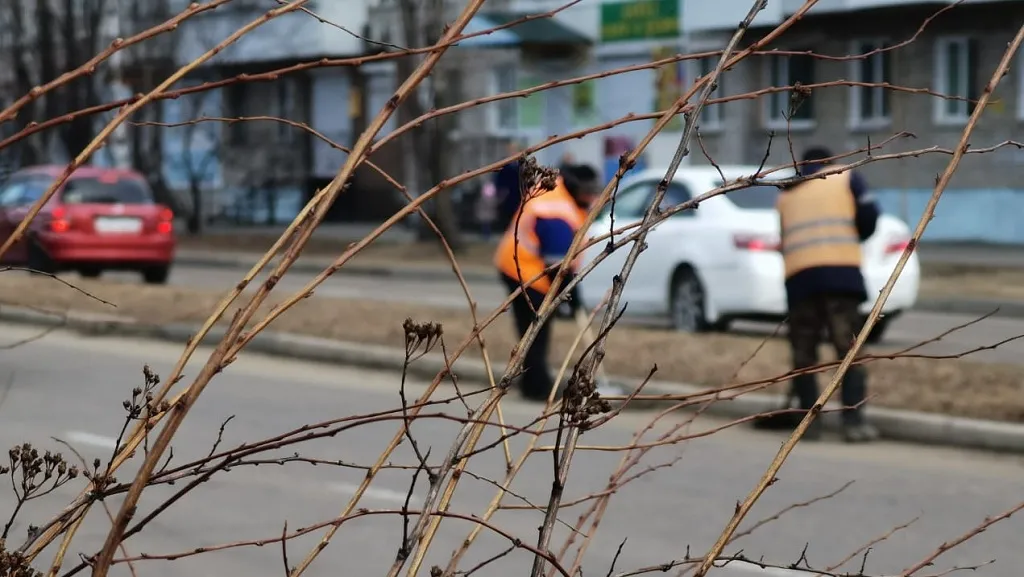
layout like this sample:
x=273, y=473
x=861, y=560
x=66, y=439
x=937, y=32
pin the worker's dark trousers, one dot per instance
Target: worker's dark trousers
x=536, y=380
x=837, y=317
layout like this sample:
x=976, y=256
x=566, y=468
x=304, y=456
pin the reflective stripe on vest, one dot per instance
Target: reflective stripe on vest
x=818, y=225
x=518, y=255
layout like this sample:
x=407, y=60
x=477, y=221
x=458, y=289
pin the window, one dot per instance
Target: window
x=955, y=65
x=24, y=191
x=675, y=195
x=711, y=117
x=506, y=112
x=757, y=197
x=529, y=109
x=235, y=96
x=870, y=105
x=787, y=71
x=630, y=203
x=287, y=101
x=101, y=191
x=584, y=104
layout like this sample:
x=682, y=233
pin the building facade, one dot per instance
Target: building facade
x=954, y=54
x=262, y=170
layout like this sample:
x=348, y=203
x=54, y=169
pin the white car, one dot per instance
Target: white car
x=707, y=267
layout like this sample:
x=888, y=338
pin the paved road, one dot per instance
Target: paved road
x=72, y=387
x=914, y=327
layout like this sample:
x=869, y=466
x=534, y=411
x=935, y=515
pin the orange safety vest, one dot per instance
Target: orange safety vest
x=520, y=239
x=818, y=224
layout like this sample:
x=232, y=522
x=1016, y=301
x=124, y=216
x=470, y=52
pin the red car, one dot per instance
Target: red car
x=100, y=219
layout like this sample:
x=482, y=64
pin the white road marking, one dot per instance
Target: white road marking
x=375, y=493
x=752, y=569
x=745, y=568
x=91, y=439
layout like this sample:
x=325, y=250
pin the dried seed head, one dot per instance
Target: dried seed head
x=152, y=379
x=418, y=335
x=14, y=564
x=581, y=401
x=535, y=179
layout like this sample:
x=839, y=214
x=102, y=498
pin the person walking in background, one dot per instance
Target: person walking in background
x=568, y=161
x=540, y=237
x=506, y=183
x=823, y=222
x=487, y=209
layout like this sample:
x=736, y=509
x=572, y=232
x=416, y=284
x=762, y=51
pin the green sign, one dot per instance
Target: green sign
x=640, y=20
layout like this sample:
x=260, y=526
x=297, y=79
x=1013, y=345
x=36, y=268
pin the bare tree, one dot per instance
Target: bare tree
x=142, y=68
x=427, y=150
x=157, y=408
x=43, y=39
x=198, y=153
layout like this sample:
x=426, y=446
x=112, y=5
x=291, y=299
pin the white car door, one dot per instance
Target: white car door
x=628, y=208
x=667, y=242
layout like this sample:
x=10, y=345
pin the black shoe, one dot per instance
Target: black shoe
x=778, y=421
x=789, y=422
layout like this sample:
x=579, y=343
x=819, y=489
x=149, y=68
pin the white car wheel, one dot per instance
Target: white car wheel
x=687, y=303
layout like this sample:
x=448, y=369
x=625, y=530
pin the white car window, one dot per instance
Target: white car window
x=756, y=197
x=630, y=203
x=675, y=195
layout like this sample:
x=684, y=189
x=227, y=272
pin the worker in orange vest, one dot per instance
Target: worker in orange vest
x=539, y=236
x=823, y=222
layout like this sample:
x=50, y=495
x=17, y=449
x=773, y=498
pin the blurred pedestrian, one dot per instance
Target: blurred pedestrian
x=506, y=183
x=487, y=209
x=539, y=237
x=823, y=222
x=567, y=162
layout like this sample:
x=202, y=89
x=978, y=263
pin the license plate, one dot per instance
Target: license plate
x=117, y=225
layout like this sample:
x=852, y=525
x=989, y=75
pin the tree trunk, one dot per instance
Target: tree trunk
x=426, y=148
x=441, y=158
x=195, y=217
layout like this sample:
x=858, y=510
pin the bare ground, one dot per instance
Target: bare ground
x=938, y=281
x=957, y=387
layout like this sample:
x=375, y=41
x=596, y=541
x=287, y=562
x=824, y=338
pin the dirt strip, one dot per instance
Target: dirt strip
x=938, y=281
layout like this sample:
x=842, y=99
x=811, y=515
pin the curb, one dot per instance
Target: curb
x=977, y=307
x=410, y=272
x=898, y=425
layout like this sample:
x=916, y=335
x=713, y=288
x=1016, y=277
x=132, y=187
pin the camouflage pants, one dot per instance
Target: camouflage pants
x=837, y=319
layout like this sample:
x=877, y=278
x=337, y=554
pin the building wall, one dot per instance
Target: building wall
x=984, y=197
x=332, y=108
x=295, y=35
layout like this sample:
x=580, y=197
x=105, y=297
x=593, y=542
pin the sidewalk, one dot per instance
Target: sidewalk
x=476, y=273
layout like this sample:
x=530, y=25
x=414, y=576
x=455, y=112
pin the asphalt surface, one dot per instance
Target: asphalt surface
x=910, y=329
x=72, y=387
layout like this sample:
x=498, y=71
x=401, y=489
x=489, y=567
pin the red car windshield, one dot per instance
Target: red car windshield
x=100, y=191
x=25, y=190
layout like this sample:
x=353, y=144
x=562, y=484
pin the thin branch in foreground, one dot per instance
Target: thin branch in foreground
x=769, y=476
x=60, y=280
